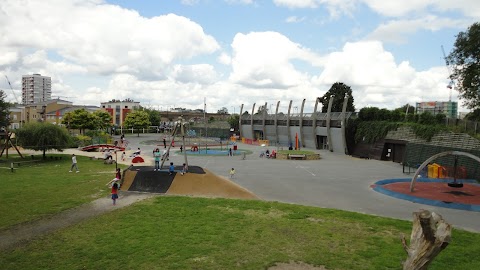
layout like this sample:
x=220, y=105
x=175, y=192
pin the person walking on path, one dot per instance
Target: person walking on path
x=171, y=169
x=74, y=163
x=232, y=173
x=114, y=191
x=156, y=156
x=164, y=143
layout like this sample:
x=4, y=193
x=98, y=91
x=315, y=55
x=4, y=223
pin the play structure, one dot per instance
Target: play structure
x=178, y=128
x=455, y=183
x=6, y=142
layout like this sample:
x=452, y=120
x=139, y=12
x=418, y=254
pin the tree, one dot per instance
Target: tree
x=103, y=119
x=42, y=136
x=79, y=119
x=411, y=109
x=223, y=110
x=465, y=63
x=4, y=110
x=137, y=120
x=233, y=121
x=338, y=90
x=473, y=116
x=153, y=116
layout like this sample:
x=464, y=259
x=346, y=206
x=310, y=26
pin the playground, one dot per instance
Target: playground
x=335, y=181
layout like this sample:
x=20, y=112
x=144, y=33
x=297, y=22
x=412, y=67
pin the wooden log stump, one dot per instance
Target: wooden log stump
x=430, y=235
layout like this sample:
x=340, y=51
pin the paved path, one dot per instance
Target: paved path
x=336, y=181
x=20, y=234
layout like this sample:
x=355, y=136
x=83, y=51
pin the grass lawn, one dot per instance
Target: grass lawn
x=296, y=152
x=40, y=189
x=169, y=232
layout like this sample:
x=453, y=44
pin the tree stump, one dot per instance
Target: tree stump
x=430, y=235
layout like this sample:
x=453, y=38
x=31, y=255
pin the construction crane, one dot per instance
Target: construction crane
x=14, y=95
x=451, y=84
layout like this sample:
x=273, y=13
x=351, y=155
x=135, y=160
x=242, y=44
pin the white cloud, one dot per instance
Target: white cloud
x=470, y=8
x=202, y=74
x=397, y=31
x=263, y=60
x=377, y=80
x=334, y=7
x=104, y=38
x=225, y=59
x=8, y=56
x=297, y=3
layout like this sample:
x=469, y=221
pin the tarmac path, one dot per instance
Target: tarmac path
x=336, y=181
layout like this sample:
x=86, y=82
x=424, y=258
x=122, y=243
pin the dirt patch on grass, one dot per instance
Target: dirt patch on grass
x=21, y=234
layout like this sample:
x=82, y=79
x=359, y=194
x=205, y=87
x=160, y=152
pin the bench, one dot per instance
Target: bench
x=18, y=163
x=300, y=157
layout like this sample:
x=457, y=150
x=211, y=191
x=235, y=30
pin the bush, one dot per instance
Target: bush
x=426, y=118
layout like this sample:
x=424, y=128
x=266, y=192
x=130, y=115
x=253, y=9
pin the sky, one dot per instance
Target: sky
x=224, y=53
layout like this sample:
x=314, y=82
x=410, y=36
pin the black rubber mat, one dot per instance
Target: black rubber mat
x=148, y=180
x=152, y=181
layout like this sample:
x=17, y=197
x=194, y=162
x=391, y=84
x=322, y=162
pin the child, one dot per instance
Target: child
x=232, y=172
x=184, y=169
x=171, y=169
x=123, y=156
x=115, y=187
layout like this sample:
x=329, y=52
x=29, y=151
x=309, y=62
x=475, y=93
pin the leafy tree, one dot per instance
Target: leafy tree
x=43, y=136
x=426, y=118
x=440, y=118
x=153, y=116
x=223, y=110
x=397, y=116
x=79, y=119
x=103, y=119
x=233, y=121
x=411, y=109
x=338, y=90
x=368, y=113
x=383, y=115
x=473, y=116
x=465, y=63
x=137, y=120
x=4, y=110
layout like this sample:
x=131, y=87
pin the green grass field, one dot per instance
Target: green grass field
x=169, y=232
x=37, y=190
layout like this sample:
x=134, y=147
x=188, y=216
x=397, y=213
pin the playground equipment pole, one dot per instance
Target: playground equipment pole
x=205, y=120
x=182, y=130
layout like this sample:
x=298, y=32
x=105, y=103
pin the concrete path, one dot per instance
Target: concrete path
x=336, y=181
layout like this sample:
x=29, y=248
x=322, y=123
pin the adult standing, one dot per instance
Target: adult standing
x=164, y=143
x=74, y=163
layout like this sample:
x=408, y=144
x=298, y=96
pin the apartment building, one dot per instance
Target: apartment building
x=118, y=110
x=36, y=89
